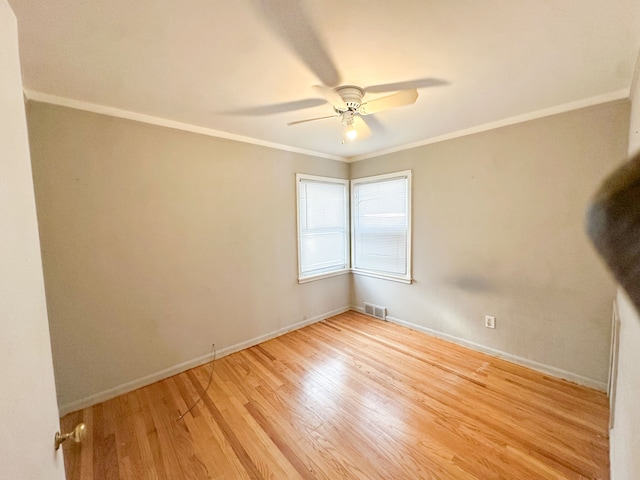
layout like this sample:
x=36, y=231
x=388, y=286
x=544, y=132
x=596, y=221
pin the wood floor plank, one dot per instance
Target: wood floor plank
x=105, y=457
x=447, y=439
x=211, y=444
x=236, y=444
x=371, y=423
x=145, y=420
x=498, y=420
x=322, y=421
x=474, y=407
x=351, y=397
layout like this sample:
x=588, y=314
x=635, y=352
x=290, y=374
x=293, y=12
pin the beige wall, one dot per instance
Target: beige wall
x=157, y=243
x=498, y=229
x=27, y=392
x=625, y=436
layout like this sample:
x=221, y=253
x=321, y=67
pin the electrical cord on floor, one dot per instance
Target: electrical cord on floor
x=212, y=361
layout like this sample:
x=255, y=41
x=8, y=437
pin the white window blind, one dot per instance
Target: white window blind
x=323, y=229
x=381, y=224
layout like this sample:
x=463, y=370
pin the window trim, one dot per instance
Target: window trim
x=350, y=238
x=308, y=278
x=406, y=278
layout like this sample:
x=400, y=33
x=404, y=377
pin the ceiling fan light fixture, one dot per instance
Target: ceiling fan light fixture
x=351, y=132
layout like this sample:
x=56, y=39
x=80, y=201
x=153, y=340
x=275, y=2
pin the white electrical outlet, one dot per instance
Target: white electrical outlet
x=490, y=321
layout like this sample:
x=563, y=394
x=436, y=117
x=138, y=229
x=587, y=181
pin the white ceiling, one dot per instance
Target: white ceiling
x=195, y=61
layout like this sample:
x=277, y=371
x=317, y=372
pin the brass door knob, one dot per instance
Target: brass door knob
x=77, y=434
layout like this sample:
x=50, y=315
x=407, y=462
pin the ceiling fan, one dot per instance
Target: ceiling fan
x=348, y=105
x=289, y=20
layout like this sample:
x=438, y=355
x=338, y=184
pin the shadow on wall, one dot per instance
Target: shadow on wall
x=471, y=283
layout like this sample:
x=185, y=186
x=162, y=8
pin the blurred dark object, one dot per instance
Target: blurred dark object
x=613, y=224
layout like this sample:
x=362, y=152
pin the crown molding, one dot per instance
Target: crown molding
x=545, y=112
x=35, y=96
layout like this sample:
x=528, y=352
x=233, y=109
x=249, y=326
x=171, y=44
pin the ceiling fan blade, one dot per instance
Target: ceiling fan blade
x=418, y=83
x=331, y=96
x=374, y=125
x=277, y=108
x=405, y=97
x=288, y=20
x=312, y=119
x=362, y=128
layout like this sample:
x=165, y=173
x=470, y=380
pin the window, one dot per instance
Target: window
x=381, y=225
x=323, y=226
x=380, y=240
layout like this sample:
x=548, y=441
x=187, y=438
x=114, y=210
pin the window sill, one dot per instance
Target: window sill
x=392, y=278
x=364, y=273
x=320, y=276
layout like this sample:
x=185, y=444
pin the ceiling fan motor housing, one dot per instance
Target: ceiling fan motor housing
x=352, y=97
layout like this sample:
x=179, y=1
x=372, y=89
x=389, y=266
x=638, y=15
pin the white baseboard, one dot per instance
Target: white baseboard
x=525, y=362
x=184, y=366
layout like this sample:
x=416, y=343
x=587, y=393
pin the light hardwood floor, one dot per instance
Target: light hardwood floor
x=348, y=398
